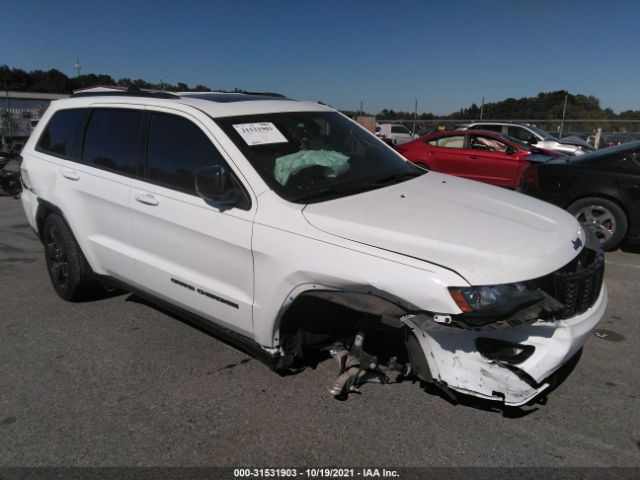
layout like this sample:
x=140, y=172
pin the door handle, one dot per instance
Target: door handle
x=473, y=157
x=71, y=174
x=147, y=199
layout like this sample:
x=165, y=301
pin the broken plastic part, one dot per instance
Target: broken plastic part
x=442, y=318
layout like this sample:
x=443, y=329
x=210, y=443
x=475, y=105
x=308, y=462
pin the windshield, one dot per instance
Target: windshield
x=313, y=156
x=542, y=133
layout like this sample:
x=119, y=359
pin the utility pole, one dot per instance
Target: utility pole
x=564, y=111
x=415, y=118
x=77, y=67
x=482, y=108
x=361, y=111
x=8, y=119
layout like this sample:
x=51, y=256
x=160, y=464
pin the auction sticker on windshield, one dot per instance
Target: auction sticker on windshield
x=260, y=133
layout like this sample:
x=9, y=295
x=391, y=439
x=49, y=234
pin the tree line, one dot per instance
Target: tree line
x=544, y=106
x=54, y=81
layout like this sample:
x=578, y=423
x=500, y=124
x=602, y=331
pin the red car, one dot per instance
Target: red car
x=477, y=155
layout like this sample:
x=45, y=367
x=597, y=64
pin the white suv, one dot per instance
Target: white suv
x=233, y=209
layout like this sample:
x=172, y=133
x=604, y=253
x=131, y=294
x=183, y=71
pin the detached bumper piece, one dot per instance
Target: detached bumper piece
x=514, y=365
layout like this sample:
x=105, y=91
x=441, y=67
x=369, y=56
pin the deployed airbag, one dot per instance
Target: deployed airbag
x=335, y=162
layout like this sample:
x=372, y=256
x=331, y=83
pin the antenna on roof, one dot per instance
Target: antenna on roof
x=77, y=66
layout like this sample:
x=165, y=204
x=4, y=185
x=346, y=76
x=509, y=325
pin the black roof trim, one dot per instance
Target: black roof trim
x=130, y=92
x=223, y=97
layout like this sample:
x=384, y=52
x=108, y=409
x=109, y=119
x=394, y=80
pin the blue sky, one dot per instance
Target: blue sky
x=447, y=54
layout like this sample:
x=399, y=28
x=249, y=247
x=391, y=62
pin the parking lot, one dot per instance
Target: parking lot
x=118, y=382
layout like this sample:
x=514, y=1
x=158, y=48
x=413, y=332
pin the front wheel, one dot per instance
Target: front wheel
x=69, y=271
x=604, y=217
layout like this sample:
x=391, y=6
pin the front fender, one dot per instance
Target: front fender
x=288, y=264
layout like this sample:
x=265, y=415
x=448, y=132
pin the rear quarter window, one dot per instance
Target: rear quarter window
x=61, y=133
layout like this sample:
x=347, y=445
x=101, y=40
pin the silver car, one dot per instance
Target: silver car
x=531, y=135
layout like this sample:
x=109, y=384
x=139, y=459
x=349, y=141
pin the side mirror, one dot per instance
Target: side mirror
x=216, y=185
x=531, y=140
x=510, y=151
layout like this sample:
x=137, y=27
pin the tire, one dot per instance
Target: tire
x=607, y=220
x=70, y=274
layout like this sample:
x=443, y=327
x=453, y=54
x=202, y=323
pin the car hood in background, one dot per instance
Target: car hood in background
x=540, y=158
x=486, y=234
x=572, y=140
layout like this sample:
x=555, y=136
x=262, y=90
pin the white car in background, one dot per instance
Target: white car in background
x=394, y=133
x=237, y=210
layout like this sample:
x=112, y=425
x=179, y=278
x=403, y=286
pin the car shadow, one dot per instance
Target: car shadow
x=629, y=248
x=312, y=358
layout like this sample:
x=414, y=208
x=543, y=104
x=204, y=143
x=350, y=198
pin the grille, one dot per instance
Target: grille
x=576, y=285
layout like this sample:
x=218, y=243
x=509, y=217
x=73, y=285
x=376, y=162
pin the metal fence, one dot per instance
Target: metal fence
x=569, y=127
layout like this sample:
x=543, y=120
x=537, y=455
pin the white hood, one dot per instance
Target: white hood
x=486, y=234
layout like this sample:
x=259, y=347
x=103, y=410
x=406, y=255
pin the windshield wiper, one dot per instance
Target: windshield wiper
x=351, y=188
x=393, y=177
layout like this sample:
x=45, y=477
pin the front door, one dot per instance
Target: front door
x=191, y=253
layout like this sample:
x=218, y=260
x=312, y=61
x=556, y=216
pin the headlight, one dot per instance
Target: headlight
x=495, y=299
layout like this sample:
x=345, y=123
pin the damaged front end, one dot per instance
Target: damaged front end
x=511, y=358
x=507, y=354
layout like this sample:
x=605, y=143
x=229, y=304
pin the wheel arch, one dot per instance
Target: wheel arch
x=46, y=208
x=361, y=300
x=606, y=196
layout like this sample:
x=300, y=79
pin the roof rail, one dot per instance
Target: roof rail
x=265, y=94
x=132, y=91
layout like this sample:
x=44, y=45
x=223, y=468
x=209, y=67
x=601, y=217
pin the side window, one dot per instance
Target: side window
x=112, y=140
x=455, y=141
x=61, y=133
x=491, y=128
x=487, y=144
x=520, y=133
x=398, y=129
x=176, y=147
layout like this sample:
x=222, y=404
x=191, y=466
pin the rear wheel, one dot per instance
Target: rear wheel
x=69, y=271
x=604, y=217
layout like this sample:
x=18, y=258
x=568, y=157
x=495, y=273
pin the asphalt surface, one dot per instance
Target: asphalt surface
x=117, y=382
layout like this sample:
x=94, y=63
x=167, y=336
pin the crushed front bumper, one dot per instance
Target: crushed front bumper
x=454, y=359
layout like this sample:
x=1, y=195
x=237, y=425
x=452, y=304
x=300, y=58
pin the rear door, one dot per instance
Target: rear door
x=447, y=155
x=190, y=252
x=93, y=189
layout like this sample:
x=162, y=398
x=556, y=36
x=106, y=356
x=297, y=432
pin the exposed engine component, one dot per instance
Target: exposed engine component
x=357, y=367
